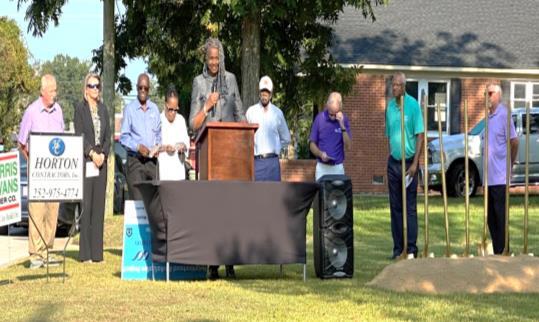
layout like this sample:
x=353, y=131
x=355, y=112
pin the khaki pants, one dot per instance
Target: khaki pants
x=45, y=216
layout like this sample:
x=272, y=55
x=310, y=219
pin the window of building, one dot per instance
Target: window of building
x=523, y=93
x=433, y=89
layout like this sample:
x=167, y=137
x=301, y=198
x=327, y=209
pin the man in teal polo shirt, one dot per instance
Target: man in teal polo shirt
x=413, y=142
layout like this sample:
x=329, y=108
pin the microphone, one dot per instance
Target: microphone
x=213, y=89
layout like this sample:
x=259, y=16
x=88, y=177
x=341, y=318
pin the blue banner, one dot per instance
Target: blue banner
x=137, y=251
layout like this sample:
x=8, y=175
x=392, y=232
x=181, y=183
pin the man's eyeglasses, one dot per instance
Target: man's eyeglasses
x=491, y=93
x=170, y=110
x=143, y=88
x=93, y=86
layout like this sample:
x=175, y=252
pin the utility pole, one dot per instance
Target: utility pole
x=108, y=92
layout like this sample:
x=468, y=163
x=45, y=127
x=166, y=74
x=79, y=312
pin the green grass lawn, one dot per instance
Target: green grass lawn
x=96, y=292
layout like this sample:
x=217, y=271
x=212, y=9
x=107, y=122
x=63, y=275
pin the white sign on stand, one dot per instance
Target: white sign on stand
x=10, y=183
x=56, y=167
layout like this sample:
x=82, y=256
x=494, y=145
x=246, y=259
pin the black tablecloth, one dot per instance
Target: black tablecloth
x=228, y=222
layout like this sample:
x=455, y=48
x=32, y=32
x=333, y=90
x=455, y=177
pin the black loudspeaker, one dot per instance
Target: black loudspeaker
x=333, y=228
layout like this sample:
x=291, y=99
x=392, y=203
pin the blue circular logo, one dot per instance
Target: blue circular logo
x=57, y=147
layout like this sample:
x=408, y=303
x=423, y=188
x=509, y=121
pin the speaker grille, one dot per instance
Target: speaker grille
x=336, y=252
x=337, y=204
x=333, y=228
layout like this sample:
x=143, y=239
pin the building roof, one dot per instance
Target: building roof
x=456, y=33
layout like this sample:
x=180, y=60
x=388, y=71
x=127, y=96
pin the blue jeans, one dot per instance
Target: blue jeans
x=267, y=169
x=394, y=181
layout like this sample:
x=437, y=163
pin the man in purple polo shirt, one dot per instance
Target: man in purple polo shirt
x=43, y=115
x=497, y=158
x=330, y=137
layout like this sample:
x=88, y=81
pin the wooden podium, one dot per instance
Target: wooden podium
x=225, y=151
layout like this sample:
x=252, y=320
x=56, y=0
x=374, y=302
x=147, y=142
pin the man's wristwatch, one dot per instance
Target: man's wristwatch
x=204, y=110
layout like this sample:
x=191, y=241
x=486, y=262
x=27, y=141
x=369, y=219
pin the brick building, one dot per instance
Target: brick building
x=453, y=48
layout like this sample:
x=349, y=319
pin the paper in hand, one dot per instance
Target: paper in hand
x=409, y=180
x=91, y=170
x=154, y=151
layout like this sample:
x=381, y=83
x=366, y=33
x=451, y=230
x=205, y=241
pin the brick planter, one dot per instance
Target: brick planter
x=297, y=170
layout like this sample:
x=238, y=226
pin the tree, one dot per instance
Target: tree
x=250, y=56
x=39, y=14
x=17, y=80
x=260, y=36
x=294, y=53
x=69, y=73
x=294, y=38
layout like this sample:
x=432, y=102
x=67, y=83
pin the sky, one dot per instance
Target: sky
x=80, y=30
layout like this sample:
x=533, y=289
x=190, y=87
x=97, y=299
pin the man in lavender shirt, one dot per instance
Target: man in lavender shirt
x=330, y=137
x=497, y=154
x=43, y=115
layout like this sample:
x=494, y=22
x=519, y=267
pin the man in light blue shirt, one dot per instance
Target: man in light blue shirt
x=272, y=134
x=141, y=137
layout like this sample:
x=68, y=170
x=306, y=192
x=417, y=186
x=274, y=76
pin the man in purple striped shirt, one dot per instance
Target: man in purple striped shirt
x=43, y=115
x=497, y=158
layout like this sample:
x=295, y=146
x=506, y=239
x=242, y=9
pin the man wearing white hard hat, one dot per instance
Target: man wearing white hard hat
x=272, y=134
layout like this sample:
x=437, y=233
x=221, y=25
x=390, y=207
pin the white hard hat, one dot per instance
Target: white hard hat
x=266, y=84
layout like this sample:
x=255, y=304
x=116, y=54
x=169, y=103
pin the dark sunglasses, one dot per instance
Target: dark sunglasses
x=491, y=93
x=171, y=110
x=93, y=86
x=143, y=88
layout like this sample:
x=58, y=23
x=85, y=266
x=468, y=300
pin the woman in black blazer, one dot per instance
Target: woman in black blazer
x=92, y=120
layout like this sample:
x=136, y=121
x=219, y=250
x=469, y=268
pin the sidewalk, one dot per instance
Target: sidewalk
x=14, y=248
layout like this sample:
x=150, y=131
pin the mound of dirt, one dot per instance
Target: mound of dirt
x=490, y=274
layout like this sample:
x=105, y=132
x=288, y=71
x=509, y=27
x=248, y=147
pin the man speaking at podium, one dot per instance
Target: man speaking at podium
x=215, y=98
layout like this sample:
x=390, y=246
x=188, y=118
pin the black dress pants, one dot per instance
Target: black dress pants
x=394, y=181
x=496, y=217
x=139, y=169
x=92, y=217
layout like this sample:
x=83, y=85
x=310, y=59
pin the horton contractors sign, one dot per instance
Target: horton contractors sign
x=56, y=167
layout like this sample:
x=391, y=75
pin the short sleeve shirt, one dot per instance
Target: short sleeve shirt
x=37, y=118
x=413, y=125
x=327, y=135
x=497, y=145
